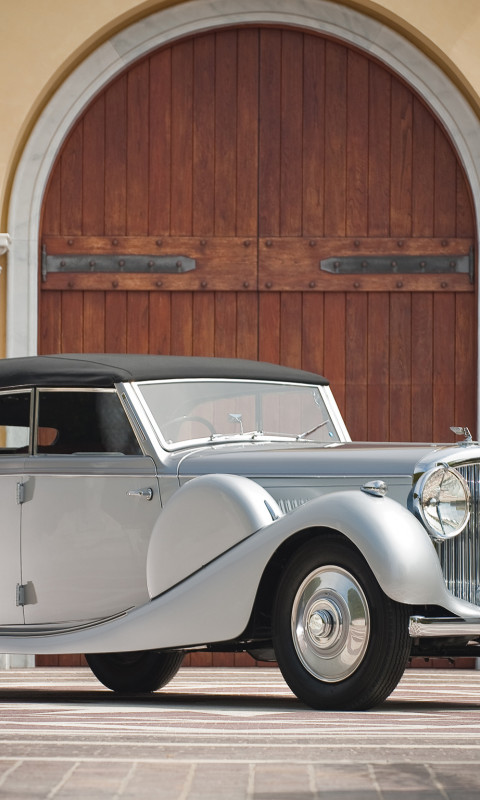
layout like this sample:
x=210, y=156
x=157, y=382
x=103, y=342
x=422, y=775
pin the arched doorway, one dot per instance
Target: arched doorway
x=262, y=153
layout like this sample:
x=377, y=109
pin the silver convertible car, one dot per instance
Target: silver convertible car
x=156, y=505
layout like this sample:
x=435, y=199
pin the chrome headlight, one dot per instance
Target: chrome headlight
x=442, y=500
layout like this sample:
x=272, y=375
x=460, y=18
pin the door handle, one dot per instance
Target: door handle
x=146, y=493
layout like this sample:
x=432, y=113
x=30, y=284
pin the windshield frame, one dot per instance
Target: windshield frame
x=326, y=395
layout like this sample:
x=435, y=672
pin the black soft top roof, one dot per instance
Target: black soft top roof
x=104, y=370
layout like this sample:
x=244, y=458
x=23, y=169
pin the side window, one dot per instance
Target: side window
x=14, y=422
x=83, y=422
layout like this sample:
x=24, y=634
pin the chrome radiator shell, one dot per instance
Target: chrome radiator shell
x=460, y=556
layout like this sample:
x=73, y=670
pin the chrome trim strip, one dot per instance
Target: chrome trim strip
x=422, y=627
x=45, y=630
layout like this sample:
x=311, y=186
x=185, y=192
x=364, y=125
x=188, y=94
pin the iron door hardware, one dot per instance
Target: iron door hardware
x=395, y=264
x=101, y=263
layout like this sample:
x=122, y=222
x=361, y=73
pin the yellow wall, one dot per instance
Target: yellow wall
x=42, y=40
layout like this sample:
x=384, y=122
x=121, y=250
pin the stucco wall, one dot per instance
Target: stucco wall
x=42, y=41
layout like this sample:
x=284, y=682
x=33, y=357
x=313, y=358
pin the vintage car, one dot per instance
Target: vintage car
x=156, y=505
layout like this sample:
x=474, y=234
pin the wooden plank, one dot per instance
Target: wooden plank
x=423, y=170
x=115, y=158
x=291, y=115
x=465, y=362
x=269, y=133
x=138, y=167
x=137, y=322
x=181, y=324
x=160, y=142
x=312, y=332
x=443, y=366
x=356, y=364
x=93, y=322
x=203, y=136
x=445, y=186
x=422, y=367
x=71, y=183
x=116, y=322
x=93, y=184
x=247, y=133
x=291, y=329
x=269, y=327
x=378, y=369
x=379, y=151
x=225, y=324
x=247, y=325
x=51, y=203
x=203, y=323
x=400, y=369
x=357, y=144
x=226, y=133
x=335, y=138
x=72, y=322
x=313, y=143
x=182, y=138
x=50, y=323
x=401, y=160
x=160, y=323
x=334, y=345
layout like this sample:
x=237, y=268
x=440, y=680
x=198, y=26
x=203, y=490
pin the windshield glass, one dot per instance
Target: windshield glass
x=215, y=410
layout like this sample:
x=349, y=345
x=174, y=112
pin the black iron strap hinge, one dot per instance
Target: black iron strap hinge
x=139, y=264
x=392, y=265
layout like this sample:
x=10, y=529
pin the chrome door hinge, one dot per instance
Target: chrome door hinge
x=21, y=594
x=20, y=493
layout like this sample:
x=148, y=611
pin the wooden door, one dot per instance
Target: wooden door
x=260, y=152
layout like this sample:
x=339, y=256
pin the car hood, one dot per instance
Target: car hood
x=263, y=459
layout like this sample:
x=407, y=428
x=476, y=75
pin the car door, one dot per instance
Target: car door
x=15, y=418
x=90, y=502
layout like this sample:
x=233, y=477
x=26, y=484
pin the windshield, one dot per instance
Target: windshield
x=213, y=411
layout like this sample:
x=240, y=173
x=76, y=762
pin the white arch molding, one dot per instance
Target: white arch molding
x=159, y=28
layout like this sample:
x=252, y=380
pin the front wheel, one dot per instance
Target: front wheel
x=340, y=642
x=136, y=672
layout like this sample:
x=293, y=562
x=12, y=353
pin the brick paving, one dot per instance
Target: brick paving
x=235, y=734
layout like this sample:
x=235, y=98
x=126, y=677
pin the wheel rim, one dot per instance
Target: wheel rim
x=330, y=623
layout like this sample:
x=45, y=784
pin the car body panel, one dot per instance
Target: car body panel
x=10, y=569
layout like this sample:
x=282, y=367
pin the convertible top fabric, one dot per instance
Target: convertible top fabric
x=105, y=370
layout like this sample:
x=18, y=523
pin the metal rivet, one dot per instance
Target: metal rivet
x=114, y=241
x=444, y=284
x=114, y=284
x=268, y=243
x=312, y=243
x=159, y=242
x=91, y=263
x=356, y=285
x=423, y=264
x=364, y=264
x=246, y=284
x=312, y=284
x=179, y=266
x=121, y=263
x=356, y=243
x=247, y=243
x=336, y=264
x=268, y=284
x=70, y=284
x=63, y=264
x=204, y=284
x=453, y=264
x=159, y=283
x=151, y=264
x=399, y=284
x=203, y=242
x=400, y=243
x=444, y=242
x=70, y=242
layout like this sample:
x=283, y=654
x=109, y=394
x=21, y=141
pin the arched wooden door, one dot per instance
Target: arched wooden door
x=260, y=153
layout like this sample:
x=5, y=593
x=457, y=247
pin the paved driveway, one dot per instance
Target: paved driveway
x=235, y=734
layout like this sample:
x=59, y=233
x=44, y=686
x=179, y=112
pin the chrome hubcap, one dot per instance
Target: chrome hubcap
x=330, y=623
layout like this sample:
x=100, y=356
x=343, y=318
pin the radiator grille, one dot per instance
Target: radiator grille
x=460, y=556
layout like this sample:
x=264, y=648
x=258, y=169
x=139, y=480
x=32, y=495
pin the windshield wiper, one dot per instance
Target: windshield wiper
x=312, y=430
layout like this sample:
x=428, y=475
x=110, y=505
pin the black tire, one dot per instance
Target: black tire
x=136, y=672
x=340, y=642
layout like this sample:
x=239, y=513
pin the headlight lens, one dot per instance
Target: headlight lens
x=443, y=500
